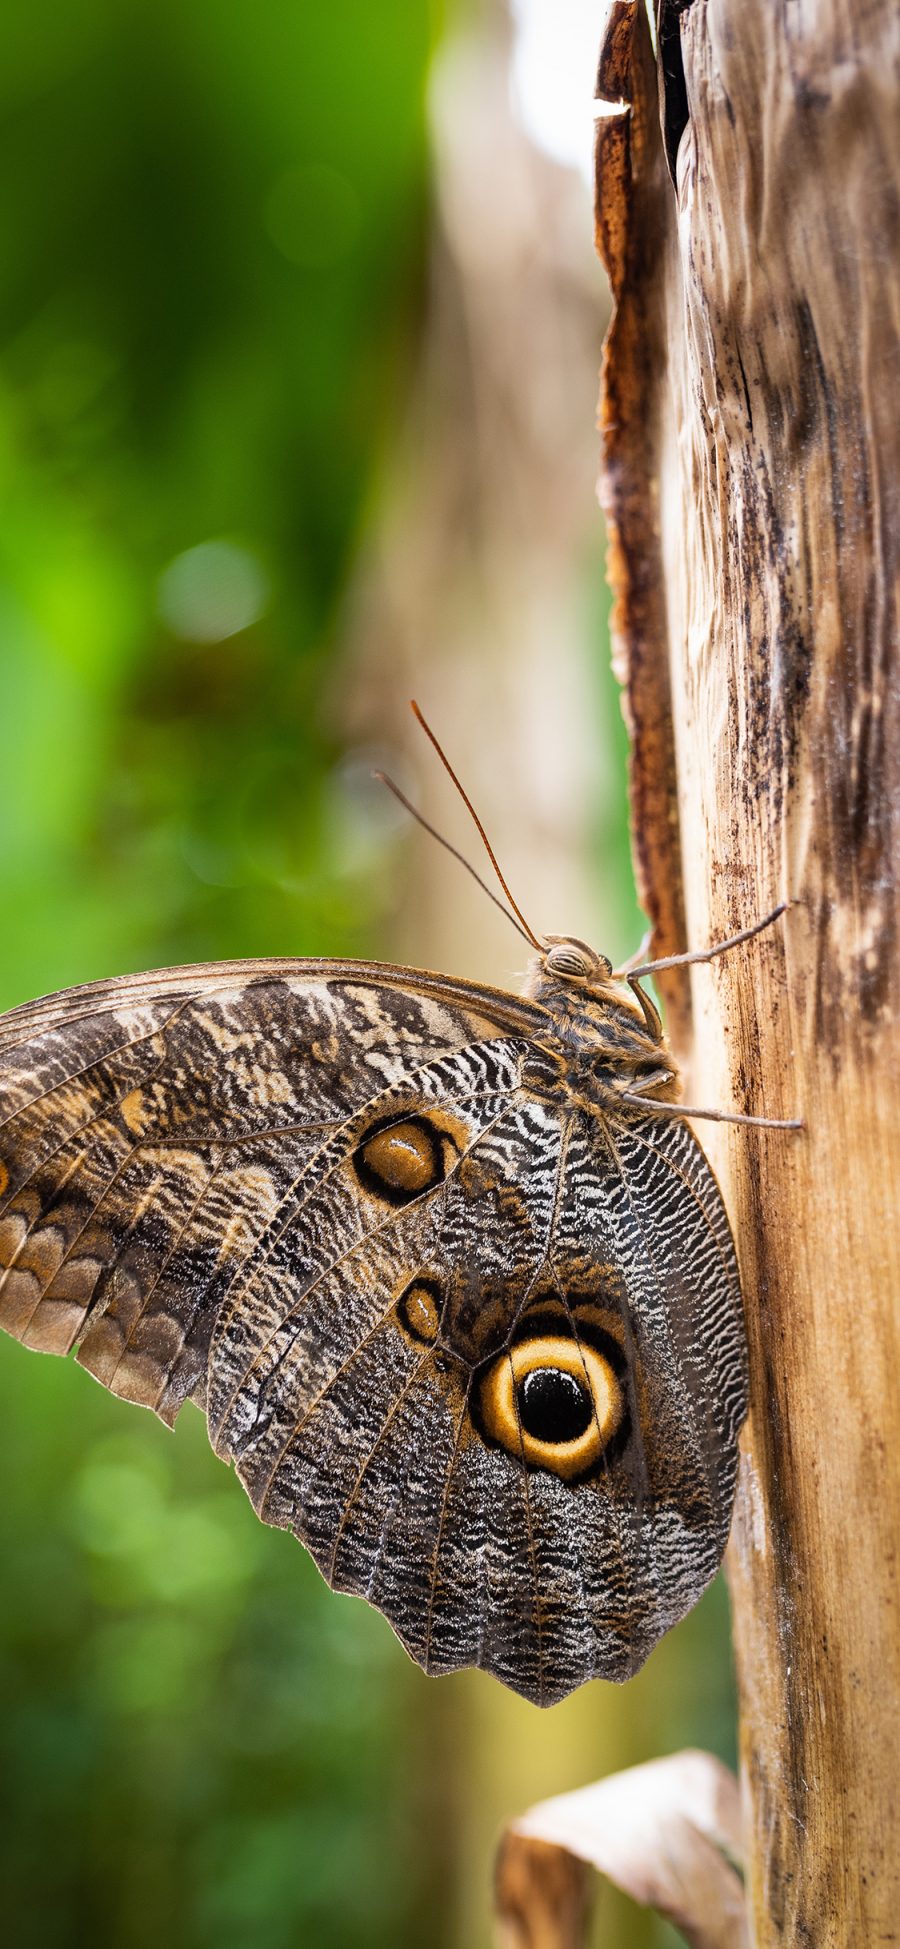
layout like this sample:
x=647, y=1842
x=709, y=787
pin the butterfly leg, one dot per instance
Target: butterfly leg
x=649, y=1010
x=633, y=975
x=633, y=972
x=663, y=1109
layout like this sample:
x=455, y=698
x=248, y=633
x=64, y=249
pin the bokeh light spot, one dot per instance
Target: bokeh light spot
x=212, y=591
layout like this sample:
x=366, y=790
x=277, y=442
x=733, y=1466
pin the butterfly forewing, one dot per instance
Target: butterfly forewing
x=137, y=1128
x=477, y=1346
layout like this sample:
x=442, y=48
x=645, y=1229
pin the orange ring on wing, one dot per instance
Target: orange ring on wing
x=582, y=1392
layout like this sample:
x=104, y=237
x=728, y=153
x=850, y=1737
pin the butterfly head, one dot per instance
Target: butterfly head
x=567, y=956
x=599, y=1012
x=569, y=974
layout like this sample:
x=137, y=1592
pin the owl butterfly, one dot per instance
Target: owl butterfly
x=446, y=1269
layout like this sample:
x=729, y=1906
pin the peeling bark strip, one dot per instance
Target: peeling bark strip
x=632, y=217
x=751, y=468
x=542, y=1897
x=663, y=1833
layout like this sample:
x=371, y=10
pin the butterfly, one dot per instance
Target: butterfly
x=445, y=1268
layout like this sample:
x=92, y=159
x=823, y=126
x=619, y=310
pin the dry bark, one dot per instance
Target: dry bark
x=663, y=1833
x=748, y=215
x=541, y=1896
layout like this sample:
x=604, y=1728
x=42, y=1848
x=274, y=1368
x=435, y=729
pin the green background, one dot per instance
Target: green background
x=215, y=222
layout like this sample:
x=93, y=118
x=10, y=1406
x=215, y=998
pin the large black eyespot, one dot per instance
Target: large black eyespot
x=553, y=1401
x=554, y=1406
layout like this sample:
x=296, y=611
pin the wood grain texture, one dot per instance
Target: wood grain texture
x=769, y=487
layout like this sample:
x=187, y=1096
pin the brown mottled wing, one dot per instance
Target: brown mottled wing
x=152, y=1128
x=642, y=1212
x=322, y=1198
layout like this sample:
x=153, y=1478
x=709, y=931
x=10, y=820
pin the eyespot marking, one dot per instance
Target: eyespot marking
x=400, y=1160
x=419, y=1310
x=553, y=1405
x=554, y=1402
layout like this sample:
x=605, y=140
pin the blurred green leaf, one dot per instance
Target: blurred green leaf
x=213, y=223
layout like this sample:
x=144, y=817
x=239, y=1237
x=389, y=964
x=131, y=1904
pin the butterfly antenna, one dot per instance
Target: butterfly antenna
x=523, y=924
x=415, y=814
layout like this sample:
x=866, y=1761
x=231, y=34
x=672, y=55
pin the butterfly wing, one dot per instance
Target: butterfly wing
x=336, y=1204
x=146, y=1120
x=642, y=1218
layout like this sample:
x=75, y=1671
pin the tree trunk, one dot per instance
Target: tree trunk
x=748, y=216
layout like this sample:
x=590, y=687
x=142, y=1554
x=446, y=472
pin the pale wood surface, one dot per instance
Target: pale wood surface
x=751, y=479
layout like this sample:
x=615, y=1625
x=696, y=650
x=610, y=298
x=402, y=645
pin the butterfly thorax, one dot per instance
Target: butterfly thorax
x=601, y=1042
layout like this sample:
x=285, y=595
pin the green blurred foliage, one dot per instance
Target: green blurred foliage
x=214, y=223
x=198, y=1743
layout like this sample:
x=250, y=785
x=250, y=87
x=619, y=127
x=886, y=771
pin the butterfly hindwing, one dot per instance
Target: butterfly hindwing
x=477, y=1345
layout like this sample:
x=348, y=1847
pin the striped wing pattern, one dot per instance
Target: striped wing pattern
x=187, y=1165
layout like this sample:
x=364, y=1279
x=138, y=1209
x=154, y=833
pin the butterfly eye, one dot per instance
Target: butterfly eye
x=554, y=1402
x=570, y=958
x=401, y=1160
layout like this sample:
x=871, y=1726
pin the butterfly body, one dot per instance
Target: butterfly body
x=461, y=1306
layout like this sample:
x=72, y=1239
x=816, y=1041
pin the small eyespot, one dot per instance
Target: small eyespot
x=398, y=1161
x=419, y=1310
x=553, y=1402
